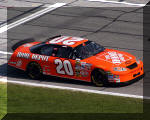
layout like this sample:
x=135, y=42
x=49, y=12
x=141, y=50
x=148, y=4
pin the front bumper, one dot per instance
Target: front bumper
x=128, y=76
x=128, y=82
x=133, y=80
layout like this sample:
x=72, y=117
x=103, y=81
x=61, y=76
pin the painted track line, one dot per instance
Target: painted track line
x=116, y=2
x=73, y=89
x=5, y=53
x=30, y=10
x=31, y=17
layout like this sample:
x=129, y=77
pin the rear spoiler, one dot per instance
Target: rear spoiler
x=29, y=40
x=52, y=38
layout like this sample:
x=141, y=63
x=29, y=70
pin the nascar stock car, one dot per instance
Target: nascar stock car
x=75, y=58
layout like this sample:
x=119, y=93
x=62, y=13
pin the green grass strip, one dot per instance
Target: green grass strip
x=27, y=99
x=3, y=99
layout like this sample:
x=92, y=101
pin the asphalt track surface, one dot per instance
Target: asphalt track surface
x=114, y=27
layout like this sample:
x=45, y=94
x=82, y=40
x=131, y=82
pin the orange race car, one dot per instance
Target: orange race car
x=75, y=58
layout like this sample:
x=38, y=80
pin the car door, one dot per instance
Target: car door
x=63, y=66
x=42, y=55
x=66, y=64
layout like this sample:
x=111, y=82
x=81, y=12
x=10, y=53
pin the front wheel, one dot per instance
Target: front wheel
x=34, y=70
x=99, y=78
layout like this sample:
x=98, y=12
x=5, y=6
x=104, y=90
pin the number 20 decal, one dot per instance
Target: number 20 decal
x=66, y=40
x=67, y=67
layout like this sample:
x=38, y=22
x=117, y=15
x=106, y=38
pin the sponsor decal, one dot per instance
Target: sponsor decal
x=107, y=57
x=34, y=56
x=82, y=69
x=85, y=66
x=114, y=57
x=77, y=68
x=77, y=73
x=84, y=73
x=40, y=57
x=23, y=55
x=113, y=78
x=19, y=63
x=46, y=70
x=12, y=62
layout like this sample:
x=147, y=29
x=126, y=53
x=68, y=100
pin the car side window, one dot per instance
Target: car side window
x=74, y=55
x=46, y=50
x=77, y=53
x=62, y=52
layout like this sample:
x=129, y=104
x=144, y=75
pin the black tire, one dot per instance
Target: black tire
x=99, y=78
x=15, y=46
x=34, y=70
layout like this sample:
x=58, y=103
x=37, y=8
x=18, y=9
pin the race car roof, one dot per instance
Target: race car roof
x=68, y=41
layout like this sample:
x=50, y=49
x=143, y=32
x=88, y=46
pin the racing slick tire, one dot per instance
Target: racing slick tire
x=99, y=78
x=15, y=46
x=34, y=70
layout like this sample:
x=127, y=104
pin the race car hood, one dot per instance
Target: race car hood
x=110, y=58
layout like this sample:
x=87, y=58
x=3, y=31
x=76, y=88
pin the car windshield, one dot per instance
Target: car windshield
x=88, y=49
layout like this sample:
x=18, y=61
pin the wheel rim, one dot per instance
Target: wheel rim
x=97, y=79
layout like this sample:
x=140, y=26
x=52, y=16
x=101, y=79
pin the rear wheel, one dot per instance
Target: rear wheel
x=99, y=78
x=34, y=70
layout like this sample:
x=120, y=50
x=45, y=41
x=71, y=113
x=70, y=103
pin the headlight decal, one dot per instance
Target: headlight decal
x=138, y=61
x=119, y=69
